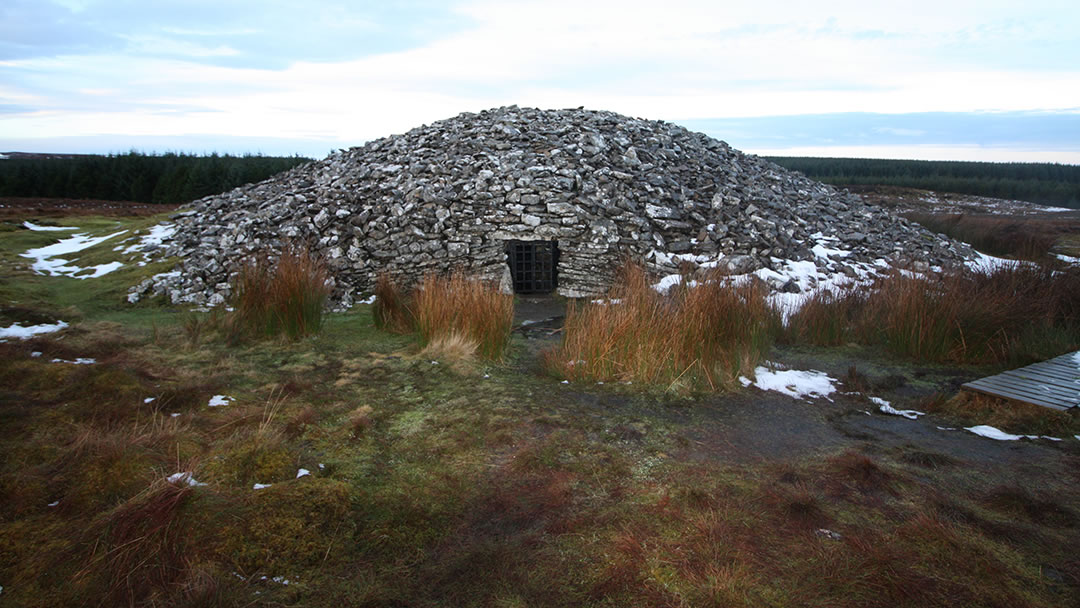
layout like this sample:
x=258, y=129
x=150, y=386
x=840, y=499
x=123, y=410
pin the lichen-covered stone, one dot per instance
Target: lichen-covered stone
x=604, y=186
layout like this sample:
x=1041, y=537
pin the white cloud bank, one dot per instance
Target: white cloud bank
x=677, y=61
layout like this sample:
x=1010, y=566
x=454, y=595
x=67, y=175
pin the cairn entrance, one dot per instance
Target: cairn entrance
x=533, y=266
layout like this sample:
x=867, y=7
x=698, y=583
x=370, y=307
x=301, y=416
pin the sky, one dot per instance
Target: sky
x=954, y=80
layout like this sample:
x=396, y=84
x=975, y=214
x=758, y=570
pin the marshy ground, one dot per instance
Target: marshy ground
x=492, y=484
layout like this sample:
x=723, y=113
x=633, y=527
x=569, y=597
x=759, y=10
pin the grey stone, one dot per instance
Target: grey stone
x=606, y=186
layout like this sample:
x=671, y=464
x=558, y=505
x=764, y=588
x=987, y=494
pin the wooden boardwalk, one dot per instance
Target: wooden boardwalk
x=1054, y=383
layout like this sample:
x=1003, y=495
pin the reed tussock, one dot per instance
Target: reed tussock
x=391, y=309
x=449, y=313
x=826, y=318
x=475, y=310
x=286, y=297
x=700, y=337
x=1011, y=314
x=141, y=549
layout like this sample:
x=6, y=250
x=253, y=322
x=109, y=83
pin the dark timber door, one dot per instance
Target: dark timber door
x=532, y=265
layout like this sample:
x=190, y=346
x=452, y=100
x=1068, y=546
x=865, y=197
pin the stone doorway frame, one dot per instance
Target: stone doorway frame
x=533, y=266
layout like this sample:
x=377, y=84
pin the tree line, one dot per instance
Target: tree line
x=179, y=178
x=146, y=178
x=1043, y=183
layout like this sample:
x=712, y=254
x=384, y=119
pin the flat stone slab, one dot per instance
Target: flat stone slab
x=1054, y=383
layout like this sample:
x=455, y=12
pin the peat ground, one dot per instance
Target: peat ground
x=490, y=484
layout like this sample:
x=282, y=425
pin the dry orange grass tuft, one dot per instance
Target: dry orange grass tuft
x=287, y=297
x=476, y=310
x=391, y=309
x=453, y=310
x=696, y=337
x=1012, y=314
x=455, y=349
x=361, y=419
x=1009, y=315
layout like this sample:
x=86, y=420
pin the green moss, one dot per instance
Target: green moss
x=251, y=459
x=100, y=480
x=290, y=526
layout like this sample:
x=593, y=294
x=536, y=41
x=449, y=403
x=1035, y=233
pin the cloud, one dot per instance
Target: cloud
x=328, y=71
x=899, y=131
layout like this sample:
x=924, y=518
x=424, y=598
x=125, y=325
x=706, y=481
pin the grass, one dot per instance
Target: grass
x=969, y=409
x=1023, y=239
x=701, y=337
x=284, y=298
x=391, y=310
x=440, y=489
x=827, y=318
x=1010, y=315
x=431, y=488
x=141, y=551
x=453, y=315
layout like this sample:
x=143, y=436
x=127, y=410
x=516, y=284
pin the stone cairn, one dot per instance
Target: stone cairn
x=605, y=187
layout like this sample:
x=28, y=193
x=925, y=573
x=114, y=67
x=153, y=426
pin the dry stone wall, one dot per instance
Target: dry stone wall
x=604, y=186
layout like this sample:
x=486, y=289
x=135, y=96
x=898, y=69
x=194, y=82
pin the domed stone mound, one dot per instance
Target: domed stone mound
x=539, y=200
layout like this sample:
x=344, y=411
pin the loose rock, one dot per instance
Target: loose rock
x=602, y=186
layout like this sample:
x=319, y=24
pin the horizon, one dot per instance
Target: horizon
x=753, y=129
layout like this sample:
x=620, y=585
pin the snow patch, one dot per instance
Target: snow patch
x=37, y=228
x=79, y=361
x=155, y=237
x=668, y=282
x=989, y=263
x=822, y=251
x=260, y=486
x=22, y=333
x=886, y=408
x=47, y=260
x=985, y=430
x=369, y=300
x=218, y=400
x=793, y=383
x=182, y=478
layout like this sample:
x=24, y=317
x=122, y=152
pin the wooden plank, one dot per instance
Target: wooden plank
x=1026, y=391
x=1029, y=387
x=1058, y=368
x=1048, y=387
x=1018, y=392
x=1066, y=362
x=1037, y=376
x=1021, y=397
x=1053, y=369
x=1018, y=397
x=1034, y=387
x=1054, y=383
x=1065, y=370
